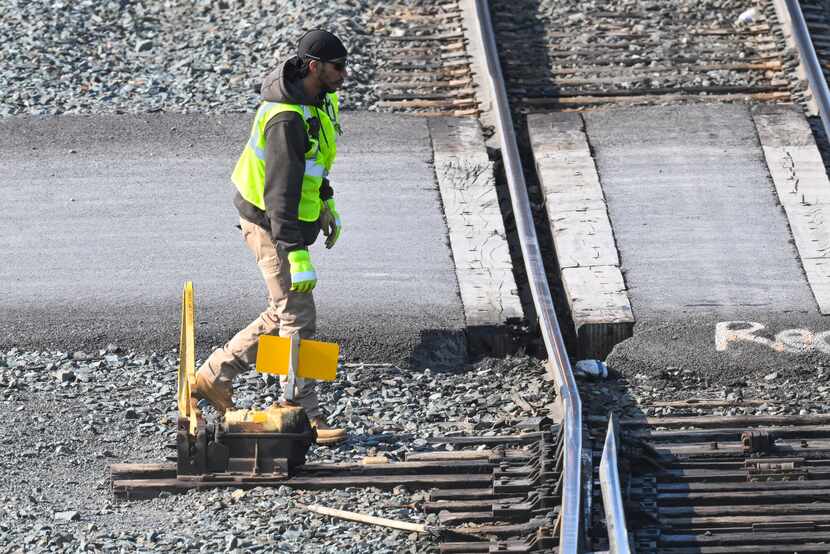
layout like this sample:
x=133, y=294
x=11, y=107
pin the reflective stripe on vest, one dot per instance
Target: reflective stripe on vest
x=312, y=168
x=249, y=174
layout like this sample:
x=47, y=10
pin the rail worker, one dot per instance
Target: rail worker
x=284, y=200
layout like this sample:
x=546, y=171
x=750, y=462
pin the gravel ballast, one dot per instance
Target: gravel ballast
x=68, y=416
x=61, y=56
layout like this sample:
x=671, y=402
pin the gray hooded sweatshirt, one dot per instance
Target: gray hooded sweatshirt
x=286, y=142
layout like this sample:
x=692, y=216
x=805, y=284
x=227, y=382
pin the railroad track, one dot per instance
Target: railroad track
x=501, y=492
x=520, y=494
x=428, y=71
x=690, y=484
x=817, y=17
x=717, y=485
x=647, y=53
x=560, y=56
x=693, y=484
x=492, y=459
x=682, y=484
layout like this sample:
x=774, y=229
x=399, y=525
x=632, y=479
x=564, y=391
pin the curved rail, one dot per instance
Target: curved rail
x=818, y=84
x=612, y=499
x=570, y=535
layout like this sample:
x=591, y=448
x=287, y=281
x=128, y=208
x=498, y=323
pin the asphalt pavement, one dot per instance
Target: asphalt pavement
x=715, y=281
x=106, y=217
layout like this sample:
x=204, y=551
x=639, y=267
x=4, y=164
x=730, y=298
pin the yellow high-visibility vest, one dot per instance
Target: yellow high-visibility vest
x=249, y=173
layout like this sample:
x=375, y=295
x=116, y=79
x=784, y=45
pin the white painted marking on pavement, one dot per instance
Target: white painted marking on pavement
x=733, y=331
x=793, y=341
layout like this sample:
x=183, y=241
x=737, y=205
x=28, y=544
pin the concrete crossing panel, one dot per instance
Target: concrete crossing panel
x=694, y=212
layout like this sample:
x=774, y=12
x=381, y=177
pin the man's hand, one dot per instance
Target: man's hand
x=330, y=222
x=303, y=276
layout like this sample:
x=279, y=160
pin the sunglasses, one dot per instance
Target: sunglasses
x=339, y=65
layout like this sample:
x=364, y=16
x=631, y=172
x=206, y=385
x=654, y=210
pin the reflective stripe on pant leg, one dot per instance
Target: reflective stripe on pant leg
x=306, y=395
x=297, y=314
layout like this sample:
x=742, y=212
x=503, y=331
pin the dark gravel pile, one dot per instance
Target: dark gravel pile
x=68, y=416
x=67, y=56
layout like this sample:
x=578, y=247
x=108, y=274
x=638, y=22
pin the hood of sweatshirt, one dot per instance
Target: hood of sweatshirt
x=284, y=84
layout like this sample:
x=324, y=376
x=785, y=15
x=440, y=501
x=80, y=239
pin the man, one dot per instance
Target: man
x=284, y=199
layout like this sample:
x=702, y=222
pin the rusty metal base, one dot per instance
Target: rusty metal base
x=244, y=449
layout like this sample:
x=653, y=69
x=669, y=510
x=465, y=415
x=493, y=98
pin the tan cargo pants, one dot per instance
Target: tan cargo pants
x=287, y=313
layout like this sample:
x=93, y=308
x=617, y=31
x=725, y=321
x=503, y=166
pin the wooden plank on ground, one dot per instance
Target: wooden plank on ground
x=151, y=487
x=600, y=309
x=582, y=232
x=597, y=295
x=584, y=239
x=803, y=189
x=476, y=227
x=571, y=182
x=143, y=471
x=718, y=421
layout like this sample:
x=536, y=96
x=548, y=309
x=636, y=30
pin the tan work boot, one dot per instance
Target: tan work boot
x=219, y=399
x=327, y=435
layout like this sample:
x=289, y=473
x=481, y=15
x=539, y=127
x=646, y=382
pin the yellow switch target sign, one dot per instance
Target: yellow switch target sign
x=317, y=359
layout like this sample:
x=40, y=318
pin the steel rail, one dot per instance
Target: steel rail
x=807, y=52
x=570, y=530
x=612, y=500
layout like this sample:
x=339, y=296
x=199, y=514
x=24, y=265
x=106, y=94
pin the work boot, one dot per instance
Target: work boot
x=327, y=435
x=218, y=398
